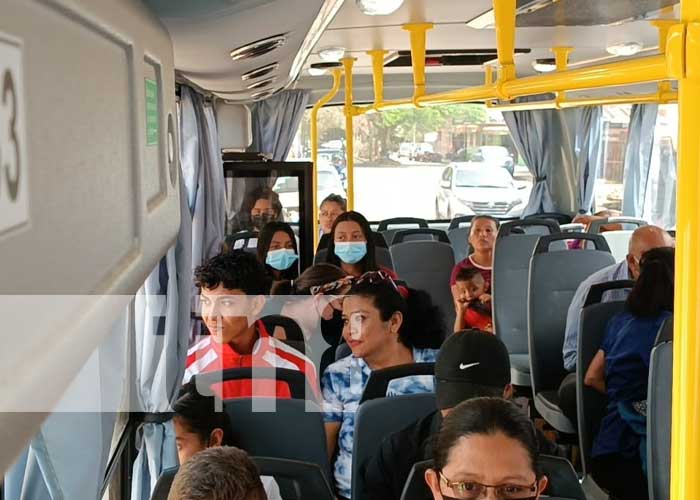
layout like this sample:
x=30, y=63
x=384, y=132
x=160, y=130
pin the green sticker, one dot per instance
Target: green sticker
x=152, y=115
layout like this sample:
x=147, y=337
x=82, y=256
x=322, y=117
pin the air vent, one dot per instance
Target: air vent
x=259, y=72
x=258, y=48
x=465, y=57
x=261, y=84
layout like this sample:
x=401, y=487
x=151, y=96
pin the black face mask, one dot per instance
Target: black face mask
x=259, y=221
x=332, y=329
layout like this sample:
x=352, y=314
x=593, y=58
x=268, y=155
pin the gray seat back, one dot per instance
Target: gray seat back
x=511, y=272
x=427, y=265
x=376, y=419
x=297, y=480
x=590, y=404
x=659, y=415
x=554, y=279
x=401, y=223
x=458, y=239
x=261, y=426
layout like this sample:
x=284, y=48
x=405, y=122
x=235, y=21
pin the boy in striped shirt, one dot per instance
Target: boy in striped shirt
x=232, y=288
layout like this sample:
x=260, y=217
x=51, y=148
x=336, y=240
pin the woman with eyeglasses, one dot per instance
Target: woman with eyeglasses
x=486, y=448
x=351, y=246
x=383, y=330
x=277, y=251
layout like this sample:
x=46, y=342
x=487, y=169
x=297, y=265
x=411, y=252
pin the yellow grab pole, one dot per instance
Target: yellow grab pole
x=417, y=32
x=378, y=76
x=314, y=144
x=683, y=47
x=349, y=132
x=504, y=15
x=646, y=69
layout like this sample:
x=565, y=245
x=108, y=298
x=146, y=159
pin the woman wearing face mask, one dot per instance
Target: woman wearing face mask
x=260, y=206
x=382, y=329
x=277, y=250
x=486, y=446
x=351, y=246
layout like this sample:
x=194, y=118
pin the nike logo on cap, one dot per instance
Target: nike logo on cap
x=464, y=367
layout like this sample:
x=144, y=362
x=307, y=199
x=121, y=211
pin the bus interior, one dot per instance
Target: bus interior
x=133, y=132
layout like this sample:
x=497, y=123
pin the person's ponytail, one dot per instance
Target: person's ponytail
x=653, y=292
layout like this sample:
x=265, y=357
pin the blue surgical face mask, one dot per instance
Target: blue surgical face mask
x=351, y=252
x=281, y=259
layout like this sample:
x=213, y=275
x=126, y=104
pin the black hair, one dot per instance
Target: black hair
x=467, y=274
x=261, y=193
x=264, y=241
x=485, y=416
x=423, y=325
x=235, y=270
x=369, y=261
x=653, y=292
x=336, y=198
x=198, y=413
x=316, y=275
x=218, y=473
x=485, y=217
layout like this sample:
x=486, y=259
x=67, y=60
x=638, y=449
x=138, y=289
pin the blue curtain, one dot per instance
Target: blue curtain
x=162, y=322
x=275, y=121
x=638, y=157
x=562, y=149
x=589, y=154
x=203, y=174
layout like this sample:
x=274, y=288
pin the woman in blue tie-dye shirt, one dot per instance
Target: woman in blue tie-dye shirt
x=383, y=329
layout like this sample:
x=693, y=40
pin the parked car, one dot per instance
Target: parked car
x=494, y=156
x=475, y=189
x=329, y=182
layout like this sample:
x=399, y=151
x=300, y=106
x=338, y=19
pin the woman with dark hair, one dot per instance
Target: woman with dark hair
x=277, y=251
x=200, y=425
x=382, y=329
x=351, y=246
x=620, y=369
x=260, y=206
x=486, y=444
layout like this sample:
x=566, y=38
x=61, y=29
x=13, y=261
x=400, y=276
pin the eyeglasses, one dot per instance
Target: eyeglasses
x=471, y=490
x=370, y=277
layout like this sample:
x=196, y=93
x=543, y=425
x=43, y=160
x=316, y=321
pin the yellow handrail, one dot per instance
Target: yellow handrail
x=683, y=47
x=336, y=73
x=349, y=132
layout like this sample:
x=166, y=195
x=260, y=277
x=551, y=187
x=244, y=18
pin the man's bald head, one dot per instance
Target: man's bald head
x=644, y=239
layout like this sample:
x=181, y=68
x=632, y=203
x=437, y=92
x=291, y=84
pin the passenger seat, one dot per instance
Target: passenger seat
x=427, y=265
x=511, y=274
x=659, y=414
x=554, y=278
x=458, y=235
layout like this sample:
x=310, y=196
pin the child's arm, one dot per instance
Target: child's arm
x=460, y=307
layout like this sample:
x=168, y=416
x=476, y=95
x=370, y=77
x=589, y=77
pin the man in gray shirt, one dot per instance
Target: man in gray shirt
x=642, y=240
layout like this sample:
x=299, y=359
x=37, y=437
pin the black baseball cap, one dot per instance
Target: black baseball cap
x=470, y=364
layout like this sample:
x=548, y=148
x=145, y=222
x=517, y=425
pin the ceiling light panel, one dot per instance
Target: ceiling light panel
x=378, y=7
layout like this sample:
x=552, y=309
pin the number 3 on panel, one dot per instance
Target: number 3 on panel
x=10, y=163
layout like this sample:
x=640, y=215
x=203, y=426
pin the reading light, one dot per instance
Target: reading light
x=331, y=54
x=544, y=65
x=378, y=7
x=624, y=48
